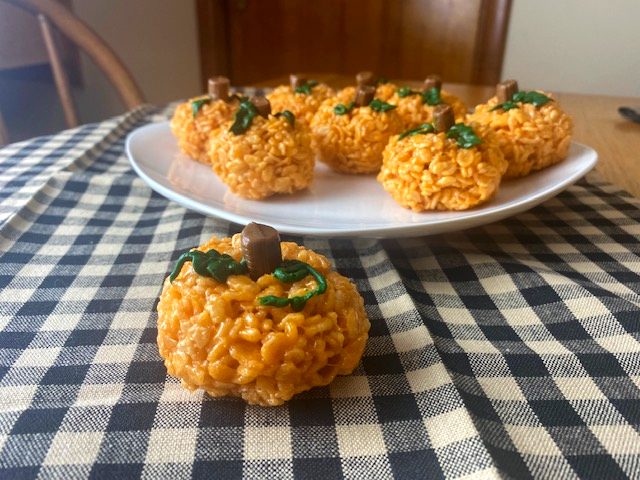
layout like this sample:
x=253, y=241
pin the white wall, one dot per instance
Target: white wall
x=585, y=46
x=156, y=40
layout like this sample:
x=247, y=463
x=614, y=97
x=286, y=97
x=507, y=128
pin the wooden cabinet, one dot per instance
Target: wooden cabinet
x=253, y=40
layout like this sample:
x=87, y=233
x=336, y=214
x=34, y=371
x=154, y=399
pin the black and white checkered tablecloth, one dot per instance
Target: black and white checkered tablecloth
x=510, y=350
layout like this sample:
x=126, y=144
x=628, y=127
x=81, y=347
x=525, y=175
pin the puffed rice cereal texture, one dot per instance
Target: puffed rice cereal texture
x=302, y=105
x=431, y=172
x=531, y=138
x=271, y=157
x=193, y=132
x=414, y=112
x=353, y=142
x=215, y=336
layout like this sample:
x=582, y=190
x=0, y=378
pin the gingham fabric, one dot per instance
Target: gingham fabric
x=510, y=350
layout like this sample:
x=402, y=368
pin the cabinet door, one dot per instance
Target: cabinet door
x=261, y=39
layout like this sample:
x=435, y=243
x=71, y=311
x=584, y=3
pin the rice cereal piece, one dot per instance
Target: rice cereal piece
x=352, y=142
x=194, y=120
x=531, y=137
x=218, y=337
x=428, y=171
x=303, y=103
x=271, y=157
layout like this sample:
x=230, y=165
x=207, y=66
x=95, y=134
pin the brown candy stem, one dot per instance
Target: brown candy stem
x=297, y=80
x=443, y=118
x=364, y=95
x=505, y=90
x=433, y=81
x=262, y=105
x=365, y=78
x=261, y=249
x=219, y=88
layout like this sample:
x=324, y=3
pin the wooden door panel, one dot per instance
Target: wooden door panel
x=363, y=36
x=269, y=37
x=398, y=38
x=437, y=37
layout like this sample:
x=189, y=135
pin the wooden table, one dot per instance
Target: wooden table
x=596, y=119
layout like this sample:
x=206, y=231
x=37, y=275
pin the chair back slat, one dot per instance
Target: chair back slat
x=4, y=135
x=59, y=75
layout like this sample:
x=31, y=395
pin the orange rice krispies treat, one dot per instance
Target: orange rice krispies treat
x=429, y=171
x=272, y=156
x=532, y=137
x=414, y=110
x=304, y=102
x=353, y=142
x=217, y=336
x=194, y=121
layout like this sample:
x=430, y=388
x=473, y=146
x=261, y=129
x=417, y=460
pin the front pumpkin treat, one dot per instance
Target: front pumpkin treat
x=229, y=329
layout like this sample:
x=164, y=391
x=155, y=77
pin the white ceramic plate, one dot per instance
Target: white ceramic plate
x=335, y=205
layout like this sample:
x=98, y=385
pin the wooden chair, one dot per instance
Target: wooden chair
x=51, y=14
x=254, y=40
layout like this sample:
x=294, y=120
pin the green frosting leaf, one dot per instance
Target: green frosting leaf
x=508, y=105
x=306, y=88
x=376, y=104
x=211, y=264
x=464, y=135
x=292, y=271
x=379, y=106
x=342, y=109
x=432, y=96
x=421, y=130
x=197, y=104
x=291, y=118
x=535, y=98
x=406, y=91
x=244, y=117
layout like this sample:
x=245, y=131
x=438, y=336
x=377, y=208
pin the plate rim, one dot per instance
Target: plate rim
x=471, y=219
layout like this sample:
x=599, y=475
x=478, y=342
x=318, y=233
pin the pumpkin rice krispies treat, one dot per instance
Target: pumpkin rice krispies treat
x=261, y=154
x=252, y=317
x=302, y=97
x=350, y=137
x=530, y=127
x=194, y=121
x=441, y=166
